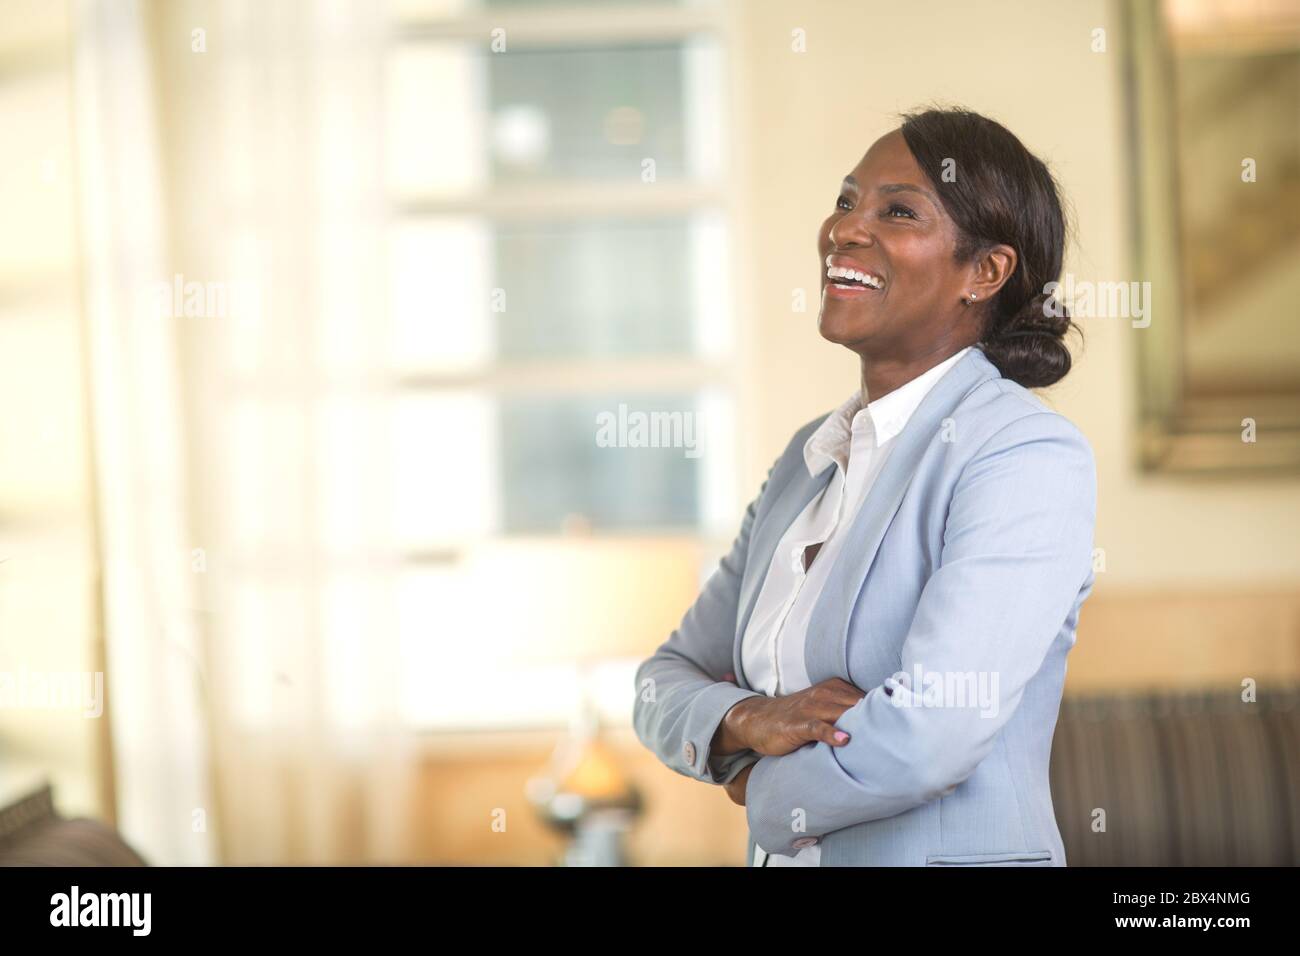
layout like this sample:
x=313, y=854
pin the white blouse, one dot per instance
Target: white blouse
x=858, y=440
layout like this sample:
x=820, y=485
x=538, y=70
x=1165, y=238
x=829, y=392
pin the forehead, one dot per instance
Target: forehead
x=888, y=161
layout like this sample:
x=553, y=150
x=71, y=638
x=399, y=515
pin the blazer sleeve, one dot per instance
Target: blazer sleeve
x=1017, y=549
x=683, y=690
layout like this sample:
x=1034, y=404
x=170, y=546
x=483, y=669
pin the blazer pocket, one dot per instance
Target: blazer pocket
x=1012, y=858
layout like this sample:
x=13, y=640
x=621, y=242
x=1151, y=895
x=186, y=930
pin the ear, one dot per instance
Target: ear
x=992, y=270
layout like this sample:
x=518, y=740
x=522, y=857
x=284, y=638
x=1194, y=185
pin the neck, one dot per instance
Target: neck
x=882, y=374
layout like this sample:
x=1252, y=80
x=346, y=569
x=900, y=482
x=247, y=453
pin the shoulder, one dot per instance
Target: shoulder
x=1000, y=415
x=1015, y=455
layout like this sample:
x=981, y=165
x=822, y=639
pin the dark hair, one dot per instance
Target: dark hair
x=999, y=192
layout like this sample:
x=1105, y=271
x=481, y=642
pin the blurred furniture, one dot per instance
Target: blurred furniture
x=585, y=795
x=1188, y=779
x=33, y=834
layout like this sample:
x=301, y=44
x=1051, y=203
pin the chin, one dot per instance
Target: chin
x=843, y=326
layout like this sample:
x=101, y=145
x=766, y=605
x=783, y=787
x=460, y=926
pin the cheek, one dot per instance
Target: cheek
x=917, y=258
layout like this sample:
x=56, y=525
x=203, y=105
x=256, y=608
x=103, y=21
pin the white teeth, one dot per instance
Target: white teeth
x=866, y=278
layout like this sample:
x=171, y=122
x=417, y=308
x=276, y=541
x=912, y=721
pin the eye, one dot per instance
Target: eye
x=897, y=211
x=844, y=203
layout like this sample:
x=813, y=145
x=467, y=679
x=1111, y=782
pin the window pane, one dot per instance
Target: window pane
x=557, y=470
x=464, y=292
x=593, y=114
x=444, y=472
x=439, y=291
x=436, y=115
x=608, y=287
x=538, y=115
x=469, y=465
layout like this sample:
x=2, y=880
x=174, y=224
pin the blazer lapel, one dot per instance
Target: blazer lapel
x=794, y=497
x=826, y=646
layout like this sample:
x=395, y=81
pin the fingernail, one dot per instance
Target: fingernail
x=841, y=736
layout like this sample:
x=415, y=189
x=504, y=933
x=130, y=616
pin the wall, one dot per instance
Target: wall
x=811, y=115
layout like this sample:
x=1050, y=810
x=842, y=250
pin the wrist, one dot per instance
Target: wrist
x=731, y=737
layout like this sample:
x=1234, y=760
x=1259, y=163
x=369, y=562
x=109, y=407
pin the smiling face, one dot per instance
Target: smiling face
x=891, y=287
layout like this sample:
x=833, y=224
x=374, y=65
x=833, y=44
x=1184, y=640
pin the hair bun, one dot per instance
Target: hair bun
x=1042, y=315
x=1028, y=347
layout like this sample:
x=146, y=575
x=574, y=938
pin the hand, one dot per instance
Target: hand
x=774, y=726
x=737, y=787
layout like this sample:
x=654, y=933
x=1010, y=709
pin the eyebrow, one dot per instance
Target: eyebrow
x=895, y=188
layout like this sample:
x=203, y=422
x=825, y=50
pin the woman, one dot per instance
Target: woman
x=875, y=669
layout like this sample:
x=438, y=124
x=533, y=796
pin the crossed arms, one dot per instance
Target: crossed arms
x=1017, y=548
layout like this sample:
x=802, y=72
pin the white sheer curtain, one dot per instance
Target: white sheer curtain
x=152, y=681
x=273, y=153
x=233, y=217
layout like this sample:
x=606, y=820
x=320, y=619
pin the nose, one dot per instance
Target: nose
x=851, y=230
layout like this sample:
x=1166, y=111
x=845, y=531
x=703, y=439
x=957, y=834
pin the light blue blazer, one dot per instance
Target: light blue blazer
x=966, y=568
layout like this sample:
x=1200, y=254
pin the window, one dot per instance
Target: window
x=557, y=252
x=466, y=261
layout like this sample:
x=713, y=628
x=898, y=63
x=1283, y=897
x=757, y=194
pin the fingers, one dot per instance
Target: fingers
x=838, y=690
x=824, y=731
x=807, y=716
x=838, y=699
x=818, y=708
x=828, y=733
x=832, y=709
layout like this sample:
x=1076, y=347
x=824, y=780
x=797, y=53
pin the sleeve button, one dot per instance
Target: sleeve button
x=689, y=753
